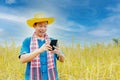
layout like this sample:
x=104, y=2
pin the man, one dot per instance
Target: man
x=38, y=54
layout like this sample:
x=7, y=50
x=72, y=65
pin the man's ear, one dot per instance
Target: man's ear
x=34, y=26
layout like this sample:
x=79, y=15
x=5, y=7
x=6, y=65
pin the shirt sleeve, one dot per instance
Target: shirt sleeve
x=25, y=48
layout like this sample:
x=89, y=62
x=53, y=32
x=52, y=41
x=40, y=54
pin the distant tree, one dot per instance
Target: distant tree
x=116, y=41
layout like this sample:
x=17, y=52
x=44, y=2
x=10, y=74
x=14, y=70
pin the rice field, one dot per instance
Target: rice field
x=94, y=62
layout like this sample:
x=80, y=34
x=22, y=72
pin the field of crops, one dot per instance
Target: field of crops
x=96, y=62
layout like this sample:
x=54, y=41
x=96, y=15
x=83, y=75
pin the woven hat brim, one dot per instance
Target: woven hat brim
x=31, y=22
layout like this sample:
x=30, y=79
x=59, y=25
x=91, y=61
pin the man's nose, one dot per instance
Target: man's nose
x=42, y=28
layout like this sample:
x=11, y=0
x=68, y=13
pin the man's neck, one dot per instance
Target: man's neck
x=41, y=37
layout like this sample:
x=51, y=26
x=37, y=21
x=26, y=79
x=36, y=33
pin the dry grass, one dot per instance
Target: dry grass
x=96, y=62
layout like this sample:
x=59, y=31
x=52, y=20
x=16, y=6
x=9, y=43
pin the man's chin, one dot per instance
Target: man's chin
x=41, y=34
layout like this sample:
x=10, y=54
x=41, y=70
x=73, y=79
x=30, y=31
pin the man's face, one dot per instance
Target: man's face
x=41, y=28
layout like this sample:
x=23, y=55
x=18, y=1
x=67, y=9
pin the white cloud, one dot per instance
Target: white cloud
x=114, y=9
x=2, y=32
x=102, y=32
x=50, y=9
x=10, y=1
x=110, y=25
x=69, y=27
x=107, y=27
x=61, y=19
x=12, y=18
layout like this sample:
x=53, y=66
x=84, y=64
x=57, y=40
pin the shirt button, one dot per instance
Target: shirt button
x=43, y=71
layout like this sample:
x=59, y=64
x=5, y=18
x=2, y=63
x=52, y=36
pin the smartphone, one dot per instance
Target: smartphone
x=53, y=43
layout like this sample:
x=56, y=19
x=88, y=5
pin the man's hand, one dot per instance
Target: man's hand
x=56, y=50
x=59, y=53
x=46, y=47
x=28, y=57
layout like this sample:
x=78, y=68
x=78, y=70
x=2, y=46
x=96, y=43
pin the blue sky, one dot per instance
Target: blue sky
x=85, y=20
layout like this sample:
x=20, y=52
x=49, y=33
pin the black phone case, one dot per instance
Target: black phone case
x=53, y=43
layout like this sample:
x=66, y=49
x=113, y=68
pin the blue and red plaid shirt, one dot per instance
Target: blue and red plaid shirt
x=25, y=49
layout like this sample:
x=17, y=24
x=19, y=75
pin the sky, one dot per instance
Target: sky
x=85, y=21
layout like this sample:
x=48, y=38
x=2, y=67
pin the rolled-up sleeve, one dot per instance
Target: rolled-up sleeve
x=25, y=48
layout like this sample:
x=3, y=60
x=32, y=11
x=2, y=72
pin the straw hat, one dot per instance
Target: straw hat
x=39, y=18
